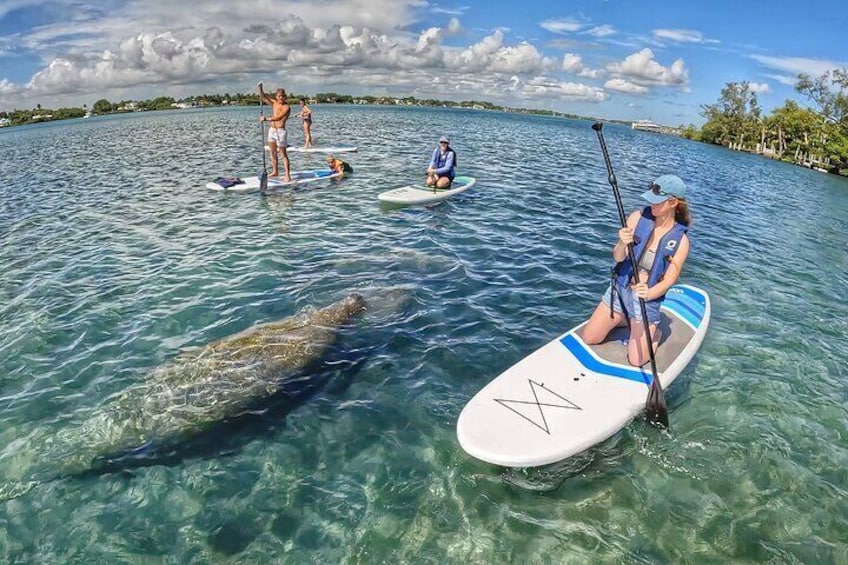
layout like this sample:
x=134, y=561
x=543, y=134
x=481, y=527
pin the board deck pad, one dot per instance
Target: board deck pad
x=420, y=194
x=251, y=184
x=567, y=396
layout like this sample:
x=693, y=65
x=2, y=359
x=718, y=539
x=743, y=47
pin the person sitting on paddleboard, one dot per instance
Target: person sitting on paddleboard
x=277, y=136
x=338, y=166
x=660, y=245
x=442, y=166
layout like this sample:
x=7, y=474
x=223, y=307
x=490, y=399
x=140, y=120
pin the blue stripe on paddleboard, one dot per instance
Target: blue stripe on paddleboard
x=581, y=352
x=683, y=312
x=320, y=174
x=695, y=300
x=687, y=306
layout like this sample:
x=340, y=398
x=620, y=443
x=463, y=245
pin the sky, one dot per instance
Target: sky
x=613, y=59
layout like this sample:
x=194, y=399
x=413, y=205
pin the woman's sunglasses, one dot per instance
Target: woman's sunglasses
x=657, y=189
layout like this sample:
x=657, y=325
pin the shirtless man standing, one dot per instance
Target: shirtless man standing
x=277, y=137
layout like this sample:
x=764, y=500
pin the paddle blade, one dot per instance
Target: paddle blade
x=263, y=181
x=655, y=408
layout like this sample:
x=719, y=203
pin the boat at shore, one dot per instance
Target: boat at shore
x=654, y=127
x=647, y=125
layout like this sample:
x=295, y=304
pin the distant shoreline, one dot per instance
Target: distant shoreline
x=41, y=115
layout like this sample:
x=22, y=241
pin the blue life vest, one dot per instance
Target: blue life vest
x=665, y=250
x=440, y=161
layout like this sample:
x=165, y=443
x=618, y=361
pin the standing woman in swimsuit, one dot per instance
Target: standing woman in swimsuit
x=306, y=116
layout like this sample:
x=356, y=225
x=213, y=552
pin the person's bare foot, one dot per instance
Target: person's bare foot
x=273, y=175
x=287, y=179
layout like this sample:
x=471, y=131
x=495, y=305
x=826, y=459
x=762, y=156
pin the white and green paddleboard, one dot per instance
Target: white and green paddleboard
x=420, y=194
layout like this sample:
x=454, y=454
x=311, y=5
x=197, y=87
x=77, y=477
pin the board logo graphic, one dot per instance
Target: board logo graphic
x=534, y=410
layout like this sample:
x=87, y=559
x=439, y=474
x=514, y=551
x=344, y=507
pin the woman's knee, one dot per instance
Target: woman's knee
x=595, y=331
x=591, y=336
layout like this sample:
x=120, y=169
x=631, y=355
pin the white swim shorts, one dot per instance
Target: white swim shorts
x=279, y=136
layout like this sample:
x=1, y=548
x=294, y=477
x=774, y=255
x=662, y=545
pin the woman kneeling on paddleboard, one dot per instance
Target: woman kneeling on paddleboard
x=442, y=167
x=660, y=245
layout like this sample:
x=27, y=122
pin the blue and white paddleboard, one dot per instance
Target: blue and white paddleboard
x=415, y=194
x=251, y=184
x=568, y=396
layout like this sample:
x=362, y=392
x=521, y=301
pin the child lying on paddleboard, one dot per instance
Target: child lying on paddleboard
x=338, y=165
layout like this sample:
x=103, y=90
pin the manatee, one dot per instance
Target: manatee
x=198, y=390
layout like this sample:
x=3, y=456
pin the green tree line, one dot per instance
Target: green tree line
x=104, y=106
x=40, y=114
x=815, y=136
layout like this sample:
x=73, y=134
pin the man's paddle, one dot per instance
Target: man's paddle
x=655, y=408
x=263, y=178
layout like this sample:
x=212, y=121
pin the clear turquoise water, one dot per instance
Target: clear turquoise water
x=115, y=257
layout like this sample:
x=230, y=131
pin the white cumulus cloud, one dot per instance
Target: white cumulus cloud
x=586, y=72
x=519, y=58
x=641, y=68
x=759, y=87
x=547, y=86
x=572, y=63
x=621, y=85
x=166, y=46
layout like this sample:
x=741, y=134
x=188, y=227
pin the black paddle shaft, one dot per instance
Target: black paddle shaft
x=263, y=178
x=655, y=405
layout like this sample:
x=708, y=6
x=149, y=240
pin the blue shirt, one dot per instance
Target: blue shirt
x=443, y=162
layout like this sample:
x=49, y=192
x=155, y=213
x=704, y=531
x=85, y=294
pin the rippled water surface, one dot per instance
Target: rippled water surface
x=115, y=258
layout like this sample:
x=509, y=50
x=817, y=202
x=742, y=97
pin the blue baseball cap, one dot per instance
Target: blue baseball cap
x=665, y=187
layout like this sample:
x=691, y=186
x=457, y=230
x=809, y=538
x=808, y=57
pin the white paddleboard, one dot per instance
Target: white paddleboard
x=568, y=396
x=251, y=184
x=422, y=194
x=338, y=149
